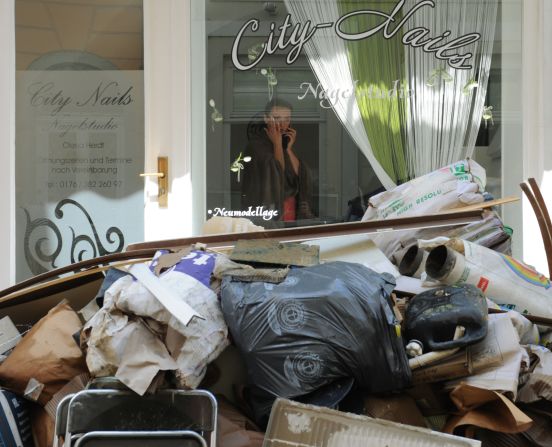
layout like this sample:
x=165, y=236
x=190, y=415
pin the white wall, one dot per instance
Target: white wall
x=7, y=143
x=537, y=119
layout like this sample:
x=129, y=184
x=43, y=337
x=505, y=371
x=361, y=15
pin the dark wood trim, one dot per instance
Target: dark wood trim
x=77, y=267
x=320, y=231
x=146, y=250
x=541, y=219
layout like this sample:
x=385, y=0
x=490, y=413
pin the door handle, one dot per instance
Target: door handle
x=152, y=174
x=162, y=175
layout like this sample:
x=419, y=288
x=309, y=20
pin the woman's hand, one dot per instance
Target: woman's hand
x=292, y=135
x=274, y=133
x=273, y=130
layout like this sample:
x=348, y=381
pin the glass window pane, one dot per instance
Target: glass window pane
x=79, y=130
x=418, y=110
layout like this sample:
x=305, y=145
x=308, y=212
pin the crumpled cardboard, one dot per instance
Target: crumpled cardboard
x=74, y=386
x=397, y=408
x=498, y=359
x=127, y=349
x=46, y=358
x=138, y=333
x=486, y=409
x=538, y=384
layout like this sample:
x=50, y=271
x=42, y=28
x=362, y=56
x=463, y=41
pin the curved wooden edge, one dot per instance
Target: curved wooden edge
x=91, y=264
x=50, y=286
x=542, y=204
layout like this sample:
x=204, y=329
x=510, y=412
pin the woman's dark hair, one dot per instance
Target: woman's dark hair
x=257, y=124
x=276, y=102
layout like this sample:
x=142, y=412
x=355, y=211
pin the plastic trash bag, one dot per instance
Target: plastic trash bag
x=321, y=324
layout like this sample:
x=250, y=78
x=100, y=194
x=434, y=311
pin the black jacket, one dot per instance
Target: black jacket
x=266, y=184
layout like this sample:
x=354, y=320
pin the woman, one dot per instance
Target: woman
x=276, y=178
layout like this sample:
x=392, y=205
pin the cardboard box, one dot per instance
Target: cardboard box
x=397, y=408
x=292, y=424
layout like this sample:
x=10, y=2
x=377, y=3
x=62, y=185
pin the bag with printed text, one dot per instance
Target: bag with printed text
x=456, y=185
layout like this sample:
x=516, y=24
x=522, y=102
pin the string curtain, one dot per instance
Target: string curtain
x=446, y=108
x=328, y=57
x=437, y=122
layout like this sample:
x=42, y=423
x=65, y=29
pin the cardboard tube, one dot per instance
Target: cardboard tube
x=413, y=262
x=505, y=280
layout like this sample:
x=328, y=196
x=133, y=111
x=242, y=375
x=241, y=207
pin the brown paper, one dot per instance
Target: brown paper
x=235, y=429
x=486, y=409
x=401, y=408
x=46, y=358
x=43, y=427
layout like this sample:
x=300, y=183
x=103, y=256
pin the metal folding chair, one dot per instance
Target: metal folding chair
x=117, y=411
x=185, y=438
x=61, y=419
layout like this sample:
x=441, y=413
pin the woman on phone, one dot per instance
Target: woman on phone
x=276, y=178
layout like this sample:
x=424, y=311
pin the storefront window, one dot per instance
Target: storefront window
x=79, y=130
x=364, y=94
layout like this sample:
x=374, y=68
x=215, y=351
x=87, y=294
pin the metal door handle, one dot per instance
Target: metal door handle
x=162, y=180
x=152, y=174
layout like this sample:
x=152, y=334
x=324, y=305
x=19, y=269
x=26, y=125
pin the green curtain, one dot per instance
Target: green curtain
x=378, y=66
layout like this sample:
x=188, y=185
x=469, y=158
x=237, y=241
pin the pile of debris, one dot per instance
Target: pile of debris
x=433, y=336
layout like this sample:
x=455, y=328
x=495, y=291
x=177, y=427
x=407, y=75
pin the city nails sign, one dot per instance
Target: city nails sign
x=300, y=34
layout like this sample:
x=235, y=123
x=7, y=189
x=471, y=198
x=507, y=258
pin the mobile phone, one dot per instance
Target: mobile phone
x=285, y=141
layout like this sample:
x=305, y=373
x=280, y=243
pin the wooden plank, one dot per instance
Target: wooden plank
x=488, y=204
x=64, y=278
x=449, y=218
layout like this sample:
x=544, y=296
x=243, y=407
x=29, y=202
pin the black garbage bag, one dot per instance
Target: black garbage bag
x=322, y=324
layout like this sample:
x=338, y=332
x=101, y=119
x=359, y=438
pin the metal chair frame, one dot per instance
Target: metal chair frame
x=71, y=422
x=159, y=436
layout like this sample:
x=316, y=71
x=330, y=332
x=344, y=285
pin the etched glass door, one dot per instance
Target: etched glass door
x=79, y=130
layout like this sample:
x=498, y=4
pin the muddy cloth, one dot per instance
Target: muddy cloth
x=321, y=324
